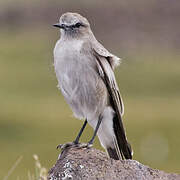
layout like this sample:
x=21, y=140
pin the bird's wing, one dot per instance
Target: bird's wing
x=100, y=50
x=105, y=62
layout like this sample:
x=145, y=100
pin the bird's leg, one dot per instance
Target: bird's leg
x=90, y=143
x=76, y=141
x=95, y=131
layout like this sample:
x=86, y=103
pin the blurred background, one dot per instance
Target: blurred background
x=34, y=117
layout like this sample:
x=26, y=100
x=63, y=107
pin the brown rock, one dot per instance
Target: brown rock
x=83, y=164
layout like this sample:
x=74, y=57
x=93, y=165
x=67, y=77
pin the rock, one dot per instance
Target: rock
x=84, y=164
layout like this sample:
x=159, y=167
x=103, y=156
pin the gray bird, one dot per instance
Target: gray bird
x=84, y=70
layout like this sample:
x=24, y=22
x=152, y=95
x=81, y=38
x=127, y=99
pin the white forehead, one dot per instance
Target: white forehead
x=72, y=18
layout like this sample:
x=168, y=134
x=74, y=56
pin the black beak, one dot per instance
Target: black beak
x=59, y=26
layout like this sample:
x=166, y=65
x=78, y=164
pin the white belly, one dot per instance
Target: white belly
x=78, y=81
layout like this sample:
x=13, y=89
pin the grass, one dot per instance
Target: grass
x=13, y=168
x=34, y=117
x=40, y=172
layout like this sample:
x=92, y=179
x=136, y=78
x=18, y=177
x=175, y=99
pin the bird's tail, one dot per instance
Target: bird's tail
x=121, y=148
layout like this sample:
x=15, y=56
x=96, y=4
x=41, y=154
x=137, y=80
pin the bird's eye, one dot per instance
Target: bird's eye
x=78, y=24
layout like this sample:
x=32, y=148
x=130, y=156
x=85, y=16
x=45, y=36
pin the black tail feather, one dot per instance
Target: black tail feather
x=124, y=147
x=112, y=153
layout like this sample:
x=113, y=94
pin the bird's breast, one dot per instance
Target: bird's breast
x=65, y=49
x=78, y=78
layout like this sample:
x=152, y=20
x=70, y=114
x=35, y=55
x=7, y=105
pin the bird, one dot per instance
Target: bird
x=85, y=75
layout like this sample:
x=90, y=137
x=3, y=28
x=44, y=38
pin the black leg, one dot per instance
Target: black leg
x=76, y=141
x=95, y=131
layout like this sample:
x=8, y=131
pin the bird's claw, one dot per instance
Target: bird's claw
x=74, y=144
x=66, y=145
x=85, y=145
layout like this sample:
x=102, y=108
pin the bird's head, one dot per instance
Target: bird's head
x=73, y=24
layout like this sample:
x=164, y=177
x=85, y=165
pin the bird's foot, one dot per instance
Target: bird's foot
x=85, y=145
x=67, y=145
x=74, y=144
